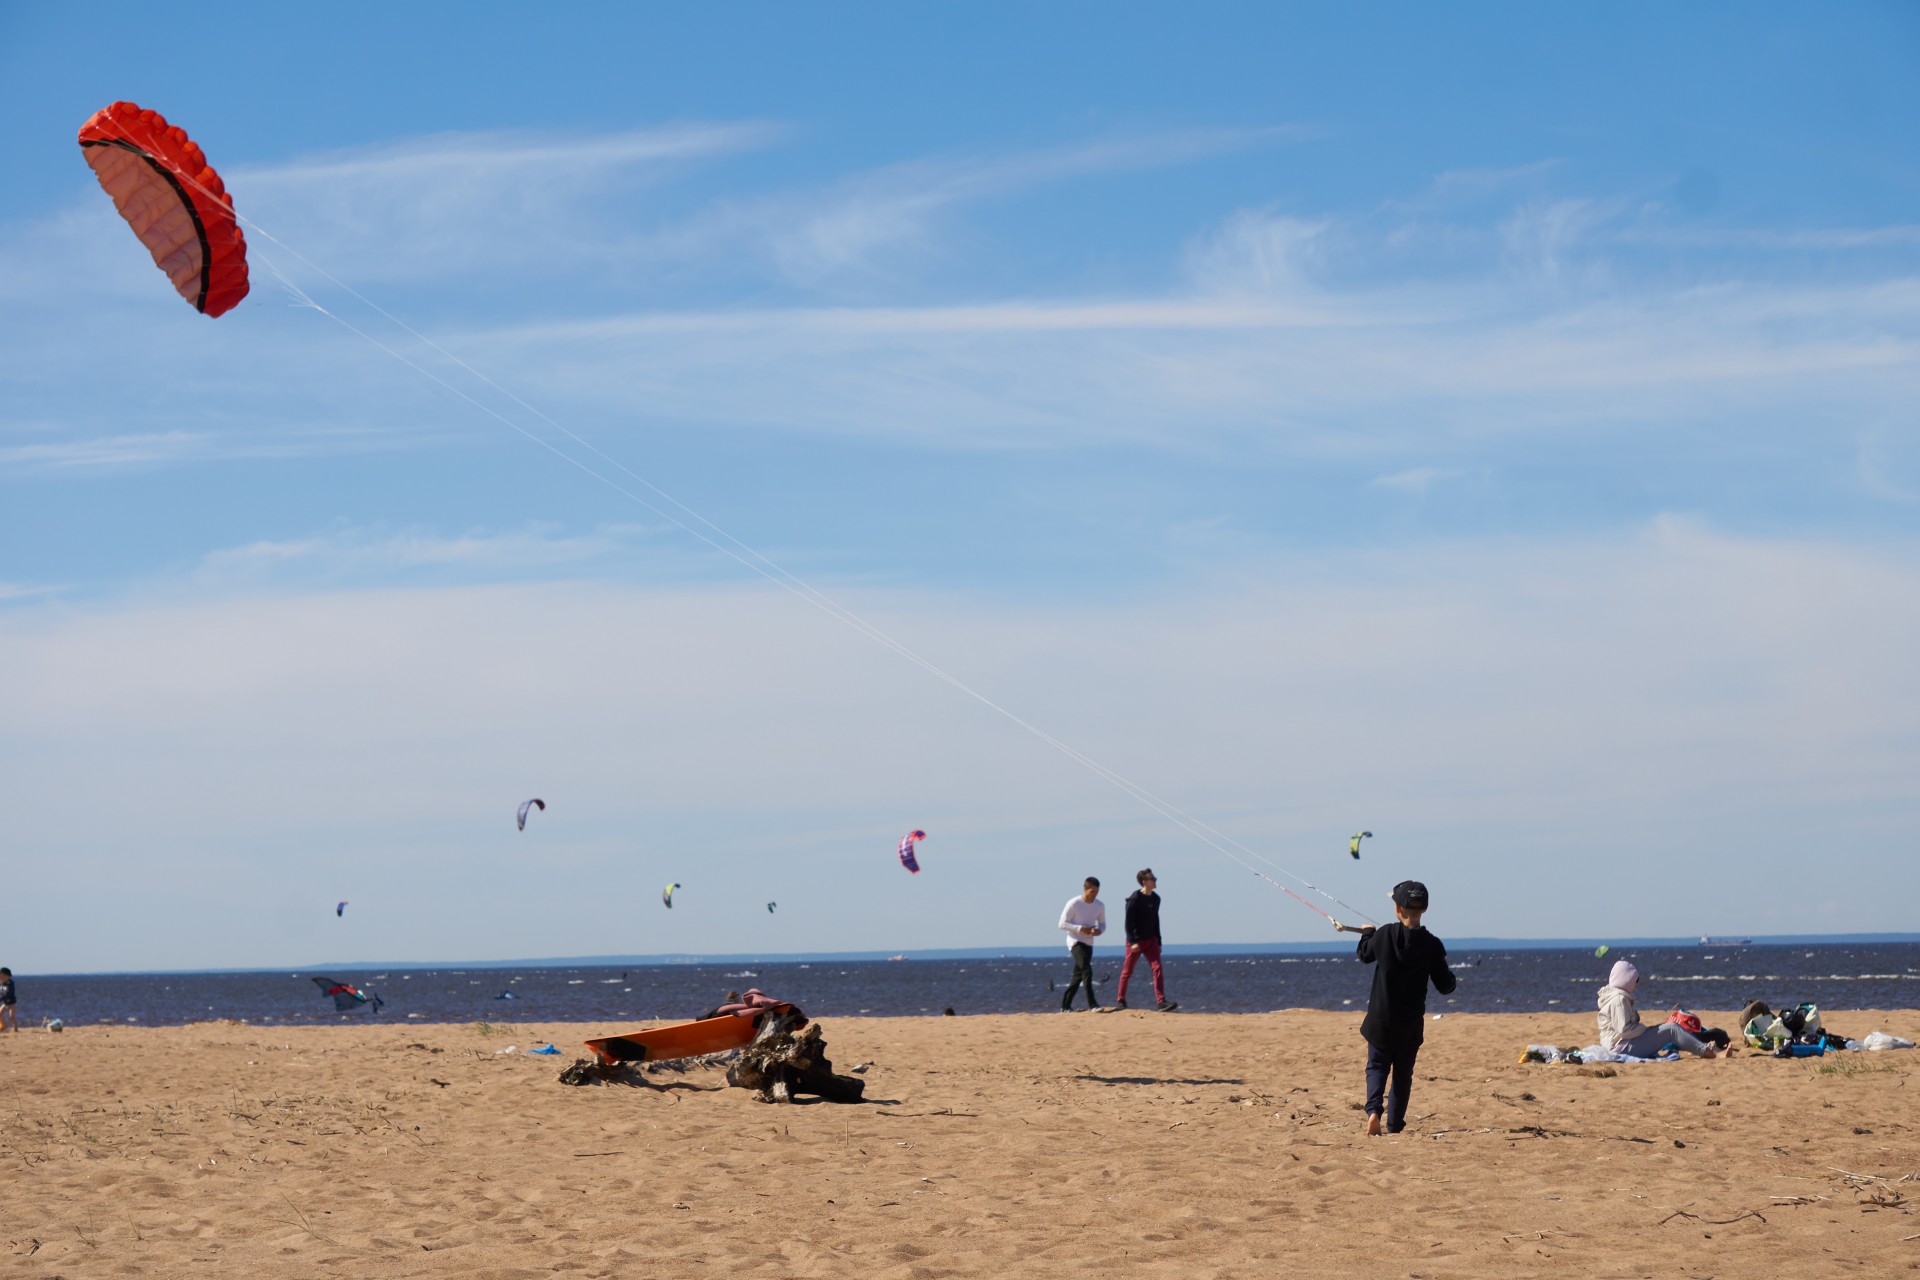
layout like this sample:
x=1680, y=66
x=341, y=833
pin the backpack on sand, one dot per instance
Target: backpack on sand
x=1686, y=1021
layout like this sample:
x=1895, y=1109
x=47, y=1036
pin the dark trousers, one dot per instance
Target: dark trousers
x=1082, y=972
x=1400, y=1063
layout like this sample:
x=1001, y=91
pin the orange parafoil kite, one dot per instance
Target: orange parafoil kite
x=163, y=186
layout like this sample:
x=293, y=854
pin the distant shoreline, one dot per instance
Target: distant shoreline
x=1457, y=946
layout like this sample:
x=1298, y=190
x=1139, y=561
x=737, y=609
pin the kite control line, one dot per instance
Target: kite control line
x=686, y=519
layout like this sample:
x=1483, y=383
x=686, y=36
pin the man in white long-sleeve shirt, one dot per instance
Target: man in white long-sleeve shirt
x=1083, y=920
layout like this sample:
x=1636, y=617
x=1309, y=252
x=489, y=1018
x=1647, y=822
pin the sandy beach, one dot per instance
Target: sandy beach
x=1124, y=1143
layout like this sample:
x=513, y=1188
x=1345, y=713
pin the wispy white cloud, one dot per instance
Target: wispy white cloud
x=1772, y=239
x=1279, y=332
x=474, y=204
x=360, y=554
x=105, y=451
x=491, y=164
x=1416, y=479
x=856, y=225
x=1260, y=254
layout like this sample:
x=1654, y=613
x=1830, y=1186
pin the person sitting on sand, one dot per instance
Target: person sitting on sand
x=1405, y=958
x=9, y=1002
x=1622, y=1032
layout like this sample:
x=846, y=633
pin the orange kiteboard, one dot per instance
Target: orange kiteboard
x=687, y=1039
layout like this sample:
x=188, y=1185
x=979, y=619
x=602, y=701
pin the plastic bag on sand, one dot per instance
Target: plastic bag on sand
x=508, y=1049
x=1547, y=1053
x=549, y=1049
x=1881, y=1040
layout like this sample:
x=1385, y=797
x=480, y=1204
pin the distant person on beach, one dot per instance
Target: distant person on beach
x=1143, y=939
x=1621, y=1030
x=9, y=1002
x=1405, y=958
x=1083, y=919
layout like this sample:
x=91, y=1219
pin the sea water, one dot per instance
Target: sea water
x=1521, y=980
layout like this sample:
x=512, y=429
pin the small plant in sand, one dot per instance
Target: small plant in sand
x=484, y=1029
x=1851, y=1066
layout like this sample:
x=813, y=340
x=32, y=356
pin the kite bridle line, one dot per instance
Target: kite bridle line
x=749, y=557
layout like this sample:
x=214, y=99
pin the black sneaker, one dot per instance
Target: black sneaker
x=1119, y=1004
x=1167, y=1006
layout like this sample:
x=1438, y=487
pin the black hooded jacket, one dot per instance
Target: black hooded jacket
x=1403, y=961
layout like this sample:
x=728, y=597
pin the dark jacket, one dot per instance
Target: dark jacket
x=1143, y=916
x=1404, y=960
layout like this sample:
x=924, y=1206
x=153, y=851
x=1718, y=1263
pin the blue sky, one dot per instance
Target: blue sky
x=1494, y=428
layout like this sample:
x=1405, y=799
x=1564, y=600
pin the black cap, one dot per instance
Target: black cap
x=1410, y=894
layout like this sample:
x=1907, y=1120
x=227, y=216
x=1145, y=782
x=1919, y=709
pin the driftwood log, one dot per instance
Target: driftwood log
x=781, y=1063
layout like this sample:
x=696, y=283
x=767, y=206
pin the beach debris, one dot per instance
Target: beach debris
x=1716, y=1222
x=548, y=1051
x=1353, y=845
x=173, y=200
x=907, y=859
x=348, y=998
x=594, y=1071
x=666, y=894
x=535, y=803
x=780, y=1064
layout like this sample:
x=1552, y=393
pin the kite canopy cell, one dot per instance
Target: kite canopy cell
x=176, y=204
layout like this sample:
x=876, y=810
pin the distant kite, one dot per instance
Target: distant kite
x=907, y=859
x=535, y=803
x=1353, y=845
x=666, y=895
x=771, y=906
x=340, y=910
x=1601, y=950
x=348, y=998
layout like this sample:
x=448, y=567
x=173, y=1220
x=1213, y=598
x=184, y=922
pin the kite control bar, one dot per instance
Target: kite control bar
x=1350, y=928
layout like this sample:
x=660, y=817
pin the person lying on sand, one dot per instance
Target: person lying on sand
x=1621, y=1030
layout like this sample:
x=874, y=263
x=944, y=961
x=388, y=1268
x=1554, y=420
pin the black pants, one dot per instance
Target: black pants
x=1082, y=972
x=1400, y=1063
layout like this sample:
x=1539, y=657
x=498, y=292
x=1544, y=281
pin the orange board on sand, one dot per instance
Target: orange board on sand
x=687, y=1039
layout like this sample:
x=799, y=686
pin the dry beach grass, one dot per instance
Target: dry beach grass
x=1133, y=1144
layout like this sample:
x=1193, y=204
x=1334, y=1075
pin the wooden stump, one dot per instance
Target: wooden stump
x=780, y=1064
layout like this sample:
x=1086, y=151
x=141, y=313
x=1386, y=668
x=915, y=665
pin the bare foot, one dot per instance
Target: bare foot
x=1373, y=1125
